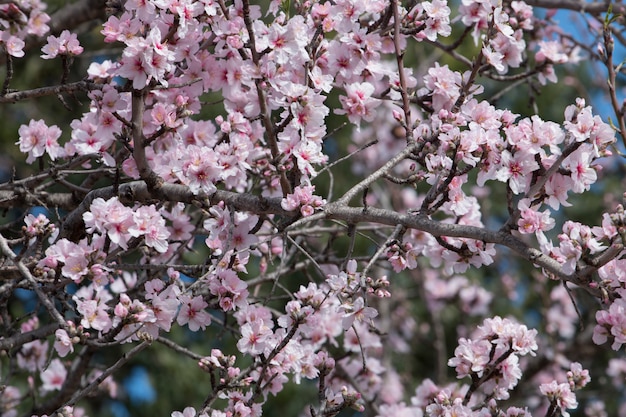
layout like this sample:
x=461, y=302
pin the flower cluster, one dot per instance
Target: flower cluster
x=303, y=198
x=38, y=139
x=65, y=44
x=492, y=355
x=19, y=20
x=611, y=323
x=120, y=223
x=39, y=226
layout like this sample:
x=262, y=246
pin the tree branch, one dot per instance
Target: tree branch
x=138, y=192
x=8, y=343
x=593, y=8
x=48, y=91
x=109, y=371
x=437, y=228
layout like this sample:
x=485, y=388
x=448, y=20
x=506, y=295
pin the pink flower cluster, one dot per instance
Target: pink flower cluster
x=431, y=19
x=39, y=226
x=573, y=242
x=66, y=44
x=111, y=309
x=303, y=198
x=492, y=355
x=358, y=103
x=561, y=395
x=120, y=223
x=229, y=230
x=612, y=323
x=77, y=260
x=19, y=20
x=37, y=138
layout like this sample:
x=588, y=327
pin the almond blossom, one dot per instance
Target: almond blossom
x=37, y=138
x=65, y=44
x=53, y=376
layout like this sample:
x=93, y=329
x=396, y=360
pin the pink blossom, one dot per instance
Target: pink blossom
x=200, y=169
x=582, y=173
x=76, y=266
x=94, y=315
x=494, y=58
x=556, y=189
x=516, y=169
x=577, y=377
x=444, y=406
x=37, y=22
x=37, y=138
x=611, y=324
x=147, y=222
x=458, y=202
x=304, y=198
x=443, y=86
x=146, y=59
x=437, y=22
x=192, y=313
x=10, y=398
x=532, y=221
x=101, y=70
x=358, y=104
x=560, y=395
x=37, y=226
x=510, y=48
x=164, y=310
x=470, y=357
x=232, y=292
x=112, y=217
x=187, y=412
x=13, y=44
x=92, y=306
x=63, y=343
x=551, y=51
x=64, y=44
x=53, y=376
x=356, y=311
x=254, y=337
x=32, y=355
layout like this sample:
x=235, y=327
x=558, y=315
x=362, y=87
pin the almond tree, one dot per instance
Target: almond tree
x=195, y=191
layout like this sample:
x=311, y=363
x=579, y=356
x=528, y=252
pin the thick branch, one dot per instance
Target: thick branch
x=593, y=8
x=48, y=91
x=139, y=192
x=139, y=151
x=270, y=133
x=8, y=343
x=22, y=198
x=436, y=228
x=402, y=77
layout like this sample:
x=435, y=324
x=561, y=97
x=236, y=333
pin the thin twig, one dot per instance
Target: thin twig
x=117, y=365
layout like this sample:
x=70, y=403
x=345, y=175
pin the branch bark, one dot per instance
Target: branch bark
x=353, y=215
x=593, y=8
x=8, y=343
x=139, y=192
x=48, y=91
